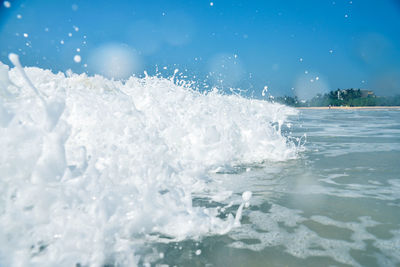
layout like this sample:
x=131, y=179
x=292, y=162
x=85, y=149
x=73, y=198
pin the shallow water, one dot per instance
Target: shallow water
x=338, y=204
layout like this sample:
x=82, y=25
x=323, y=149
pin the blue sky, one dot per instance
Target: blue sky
x=293, y=47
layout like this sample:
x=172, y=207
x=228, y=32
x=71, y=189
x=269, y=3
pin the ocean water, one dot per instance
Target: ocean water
x=336, y=204
x=154, y=172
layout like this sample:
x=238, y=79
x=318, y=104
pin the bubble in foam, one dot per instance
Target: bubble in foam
x=246, y=196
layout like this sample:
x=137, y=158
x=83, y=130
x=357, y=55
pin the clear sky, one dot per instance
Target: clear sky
x=293, y=47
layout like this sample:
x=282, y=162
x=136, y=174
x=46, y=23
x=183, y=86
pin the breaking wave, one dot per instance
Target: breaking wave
x=92, y=168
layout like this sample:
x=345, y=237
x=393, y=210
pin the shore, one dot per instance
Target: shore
x=345, y=107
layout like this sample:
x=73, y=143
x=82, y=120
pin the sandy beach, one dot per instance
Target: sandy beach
x=346, y=107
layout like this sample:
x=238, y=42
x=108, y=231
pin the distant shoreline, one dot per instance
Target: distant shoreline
x=346, y=107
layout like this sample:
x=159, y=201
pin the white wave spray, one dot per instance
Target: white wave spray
x=91, y=169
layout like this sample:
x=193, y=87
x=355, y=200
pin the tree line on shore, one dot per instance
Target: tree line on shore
x=342, y=97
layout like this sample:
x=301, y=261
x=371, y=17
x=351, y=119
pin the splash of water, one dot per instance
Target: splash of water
x=91, y=169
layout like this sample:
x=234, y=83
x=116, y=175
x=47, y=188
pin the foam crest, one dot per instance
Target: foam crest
x=93, y=168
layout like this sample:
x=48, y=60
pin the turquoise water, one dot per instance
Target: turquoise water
x=338, y=204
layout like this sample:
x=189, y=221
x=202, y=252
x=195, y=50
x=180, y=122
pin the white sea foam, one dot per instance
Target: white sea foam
x=92, y=168
x=300, y=241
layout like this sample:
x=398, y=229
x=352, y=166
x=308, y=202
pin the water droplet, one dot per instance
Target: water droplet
x=77, y=58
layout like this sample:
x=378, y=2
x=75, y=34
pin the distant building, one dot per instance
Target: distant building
x=367, y=93
x=340, y=94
